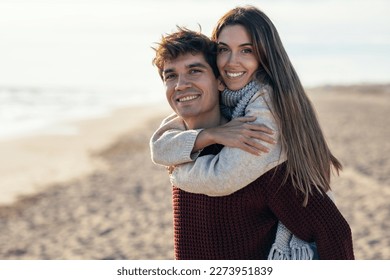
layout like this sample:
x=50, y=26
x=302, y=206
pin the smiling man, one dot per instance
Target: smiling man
x=192, y=90
x=186, y=61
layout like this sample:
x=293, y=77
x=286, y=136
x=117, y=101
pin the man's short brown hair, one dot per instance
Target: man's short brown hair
x=182, y=42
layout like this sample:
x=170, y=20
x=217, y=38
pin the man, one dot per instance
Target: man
x=191, y=80
x=204, y=227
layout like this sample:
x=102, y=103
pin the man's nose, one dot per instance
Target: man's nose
x=182, y=83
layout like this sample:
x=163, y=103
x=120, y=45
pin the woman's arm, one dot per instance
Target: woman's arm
x=232, y=169
x=172, y=144
x=238, y=133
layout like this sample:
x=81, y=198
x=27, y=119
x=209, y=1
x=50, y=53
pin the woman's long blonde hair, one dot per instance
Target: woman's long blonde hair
x=309, y=159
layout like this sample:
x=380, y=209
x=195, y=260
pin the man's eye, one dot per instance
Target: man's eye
x=169, y=77
x=194, y=71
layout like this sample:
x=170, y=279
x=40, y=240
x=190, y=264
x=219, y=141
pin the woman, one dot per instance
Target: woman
x=262, y=82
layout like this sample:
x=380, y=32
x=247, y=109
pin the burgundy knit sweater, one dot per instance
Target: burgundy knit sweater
x=243, y=225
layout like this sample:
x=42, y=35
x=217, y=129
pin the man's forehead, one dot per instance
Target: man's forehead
x=186, y=60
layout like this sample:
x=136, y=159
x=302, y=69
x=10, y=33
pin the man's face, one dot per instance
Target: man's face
x=191, y=88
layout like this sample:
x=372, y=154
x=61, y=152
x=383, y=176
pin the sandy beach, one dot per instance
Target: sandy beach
x=95, y=194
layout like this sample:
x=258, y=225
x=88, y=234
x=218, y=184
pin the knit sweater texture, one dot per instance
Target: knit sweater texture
x=243, y=225
x=172, y=144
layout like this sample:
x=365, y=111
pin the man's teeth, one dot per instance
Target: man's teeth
x=234, y=75
x=188, y=98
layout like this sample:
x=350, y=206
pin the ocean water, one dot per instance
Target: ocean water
x=25, y=111
x=71, y=59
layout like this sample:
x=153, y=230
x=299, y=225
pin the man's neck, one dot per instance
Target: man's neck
x=211, y=121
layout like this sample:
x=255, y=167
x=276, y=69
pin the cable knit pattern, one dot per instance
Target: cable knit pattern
x=234, y=102
x=243, y=225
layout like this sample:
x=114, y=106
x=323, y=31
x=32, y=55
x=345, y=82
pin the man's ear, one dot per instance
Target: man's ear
x=221, y=84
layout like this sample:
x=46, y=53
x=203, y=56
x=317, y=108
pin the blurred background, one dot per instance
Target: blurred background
x=67, y=59
x=79, y=100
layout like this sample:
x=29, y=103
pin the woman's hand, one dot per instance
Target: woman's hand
x=170, y=169
x=238, y=133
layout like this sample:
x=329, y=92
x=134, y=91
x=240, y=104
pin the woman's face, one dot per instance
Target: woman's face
x=236, y=60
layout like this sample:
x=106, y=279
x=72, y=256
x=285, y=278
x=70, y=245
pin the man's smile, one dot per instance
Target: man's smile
x=187, y=98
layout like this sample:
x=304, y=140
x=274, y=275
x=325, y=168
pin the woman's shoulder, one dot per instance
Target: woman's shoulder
x=264, y=90
x=263, y=94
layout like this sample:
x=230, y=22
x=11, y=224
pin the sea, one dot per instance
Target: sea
x=63, y=60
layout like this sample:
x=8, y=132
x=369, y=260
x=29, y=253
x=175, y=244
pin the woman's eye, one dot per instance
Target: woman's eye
x=247, y=51
x=221, y=50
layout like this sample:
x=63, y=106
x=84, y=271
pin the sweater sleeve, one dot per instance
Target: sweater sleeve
x=233, y=168
x=172, y=144
x=320, y=221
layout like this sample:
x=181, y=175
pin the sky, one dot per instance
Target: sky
x=107, y=43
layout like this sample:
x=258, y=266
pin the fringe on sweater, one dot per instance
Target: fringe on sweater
x=286, y=246
x=289, y=247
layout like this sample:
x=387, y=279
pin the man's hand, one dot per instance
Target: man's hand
x=238, y=133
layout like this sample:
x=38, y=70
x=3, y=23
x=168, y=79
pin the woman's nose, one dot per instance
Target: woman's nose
x=233, y=59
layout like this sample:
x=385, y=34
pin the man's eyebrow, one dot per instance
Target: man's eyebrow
x=169, y=70
x=189, y=66
x=197, y=64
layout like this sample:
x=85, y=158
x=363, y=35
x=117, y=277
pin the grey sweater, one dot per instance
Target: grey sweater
x=221, y=174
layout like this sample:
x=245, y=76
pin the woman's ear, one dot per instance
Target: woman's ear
x=221, y=84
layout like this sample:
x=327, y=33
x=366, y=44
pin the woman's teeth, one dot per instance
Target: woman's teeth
x=234, y=75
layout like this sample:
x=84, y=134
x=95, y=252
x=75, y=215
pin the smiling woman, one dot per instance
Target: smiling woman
x=286, y=185
x=236, y=57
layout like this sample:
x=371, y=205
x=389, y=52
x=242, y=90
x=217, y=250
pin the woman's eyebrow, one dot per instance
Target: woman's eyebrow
x=241, y=45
